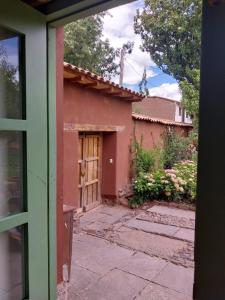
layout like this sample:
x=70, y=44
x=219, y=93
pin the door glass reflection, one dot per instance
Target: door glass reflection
x=11, y=262
x=10, y=75
x=11, y=173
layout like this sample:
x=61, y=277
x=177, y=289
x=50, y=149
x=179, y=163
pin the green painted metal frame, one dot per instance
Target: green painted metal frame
x=52, y=160
x=11, y=124
x=30, y=23
x=13, y=221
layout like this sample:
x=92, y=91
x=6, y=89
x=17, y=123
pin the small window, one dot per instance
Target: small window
x=180, y=111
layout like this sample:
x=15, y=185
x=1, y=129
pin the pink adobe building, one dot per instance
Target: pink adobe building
x=163, y=108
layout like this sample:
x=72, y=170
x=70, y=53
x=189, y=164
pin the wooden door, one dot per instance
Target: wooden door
x=89, y=170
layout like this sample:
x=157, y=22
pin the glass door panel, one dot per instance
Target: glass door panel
x=10, y=74
x=12, y=175
x=12, y=264
x=12, y=167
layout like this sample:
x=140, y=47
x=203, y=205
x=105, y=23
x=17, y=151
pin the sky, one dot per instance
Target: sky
x=11, y=47
x=118, y=28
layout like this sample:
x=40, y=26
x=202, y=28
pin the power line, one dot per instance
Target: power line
x=158, y=74
x=133, y=68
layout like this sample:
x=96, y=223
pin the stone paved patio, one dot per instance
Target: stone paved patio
x=123, y=254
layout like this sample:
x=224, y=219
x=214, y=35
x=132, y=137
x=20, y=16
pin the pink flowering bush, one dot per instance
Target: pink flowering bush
x=176, y=184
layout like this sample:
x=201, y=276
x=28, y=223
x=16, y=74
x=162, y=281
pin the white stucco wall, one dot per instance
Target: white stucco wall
x=178, y=116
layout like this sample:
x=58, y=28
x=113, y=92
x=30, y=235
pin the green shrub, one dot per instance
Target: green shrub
x=177, y=148
x=177, y=184
x=135, y=201
x=144, y=159
x=147, y=160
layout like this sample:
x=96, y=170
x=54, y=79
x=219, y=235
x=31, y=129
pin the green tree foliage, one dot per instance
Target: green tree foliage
x=9, y=87
x=144, y=159
x=86, y=48
x=177, y=148
x=190, y=94
x=143, y=85
x=171, y=33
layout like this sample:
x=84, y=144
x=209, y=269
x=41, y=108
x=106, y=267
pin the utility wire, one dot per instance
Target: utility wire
x=160, y=74
x=134, y=68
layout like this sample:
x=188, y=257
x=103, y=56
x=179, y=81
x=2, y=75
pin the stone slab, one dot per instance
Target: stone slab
x=103, y=217
x=97, y=255
x=171, y=249
x=185, y=234
x=117, y=285
x=157, y=292
x=117, y=210
x=172, y=211
x=152, y=227
x=176, y=278
x=96, y=228
x=143, y=265
x=81, y=278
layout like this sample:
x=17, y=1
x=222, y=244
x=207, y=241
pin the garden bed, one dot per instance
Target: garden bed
x=175, y=186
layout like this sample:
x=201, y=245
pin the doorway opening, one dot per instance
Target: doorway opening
x=154, y=234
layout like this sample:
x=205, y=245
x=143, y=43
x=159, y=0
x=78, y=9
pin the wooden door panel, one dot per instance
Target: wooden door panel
x=89, y=170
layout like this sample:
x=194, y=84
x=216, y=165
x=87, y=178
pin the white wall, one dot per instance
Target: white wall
x=187, y=119
x=178, y=115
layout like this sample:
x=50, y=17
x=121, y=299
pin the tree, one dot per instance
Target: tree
x=143, y=85
x=86, y=48
x=9, y=87
x=127, y=48
x=171, y=33
x=190, y=94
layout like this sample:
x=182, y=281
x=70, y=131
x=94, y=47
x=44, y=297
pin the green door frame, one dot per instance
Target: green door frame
x=20, y=18
x=52, y=213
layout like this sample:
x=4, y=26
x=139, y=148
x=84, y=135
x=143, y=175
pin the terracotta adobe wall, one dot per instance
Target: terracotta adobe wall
x=156, y=107
x=87, y=106
x=150, y=134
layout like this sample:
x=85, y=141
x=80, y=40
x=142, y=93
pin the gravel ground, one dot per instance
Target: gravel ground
x=167, y=220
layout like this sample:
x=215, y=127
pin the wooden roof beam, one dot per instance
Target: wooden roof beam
x=125, y=95
x=76, y=79
x=111, y=91
x=93, y=84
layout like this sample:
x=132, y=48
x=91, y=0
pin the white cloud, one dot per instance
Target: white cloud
x=118, y=28
x=167, y=90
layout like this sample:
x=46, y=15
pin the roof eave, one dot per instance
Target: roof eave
x=149, y=119
x=89, y=80
x=62, y=12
